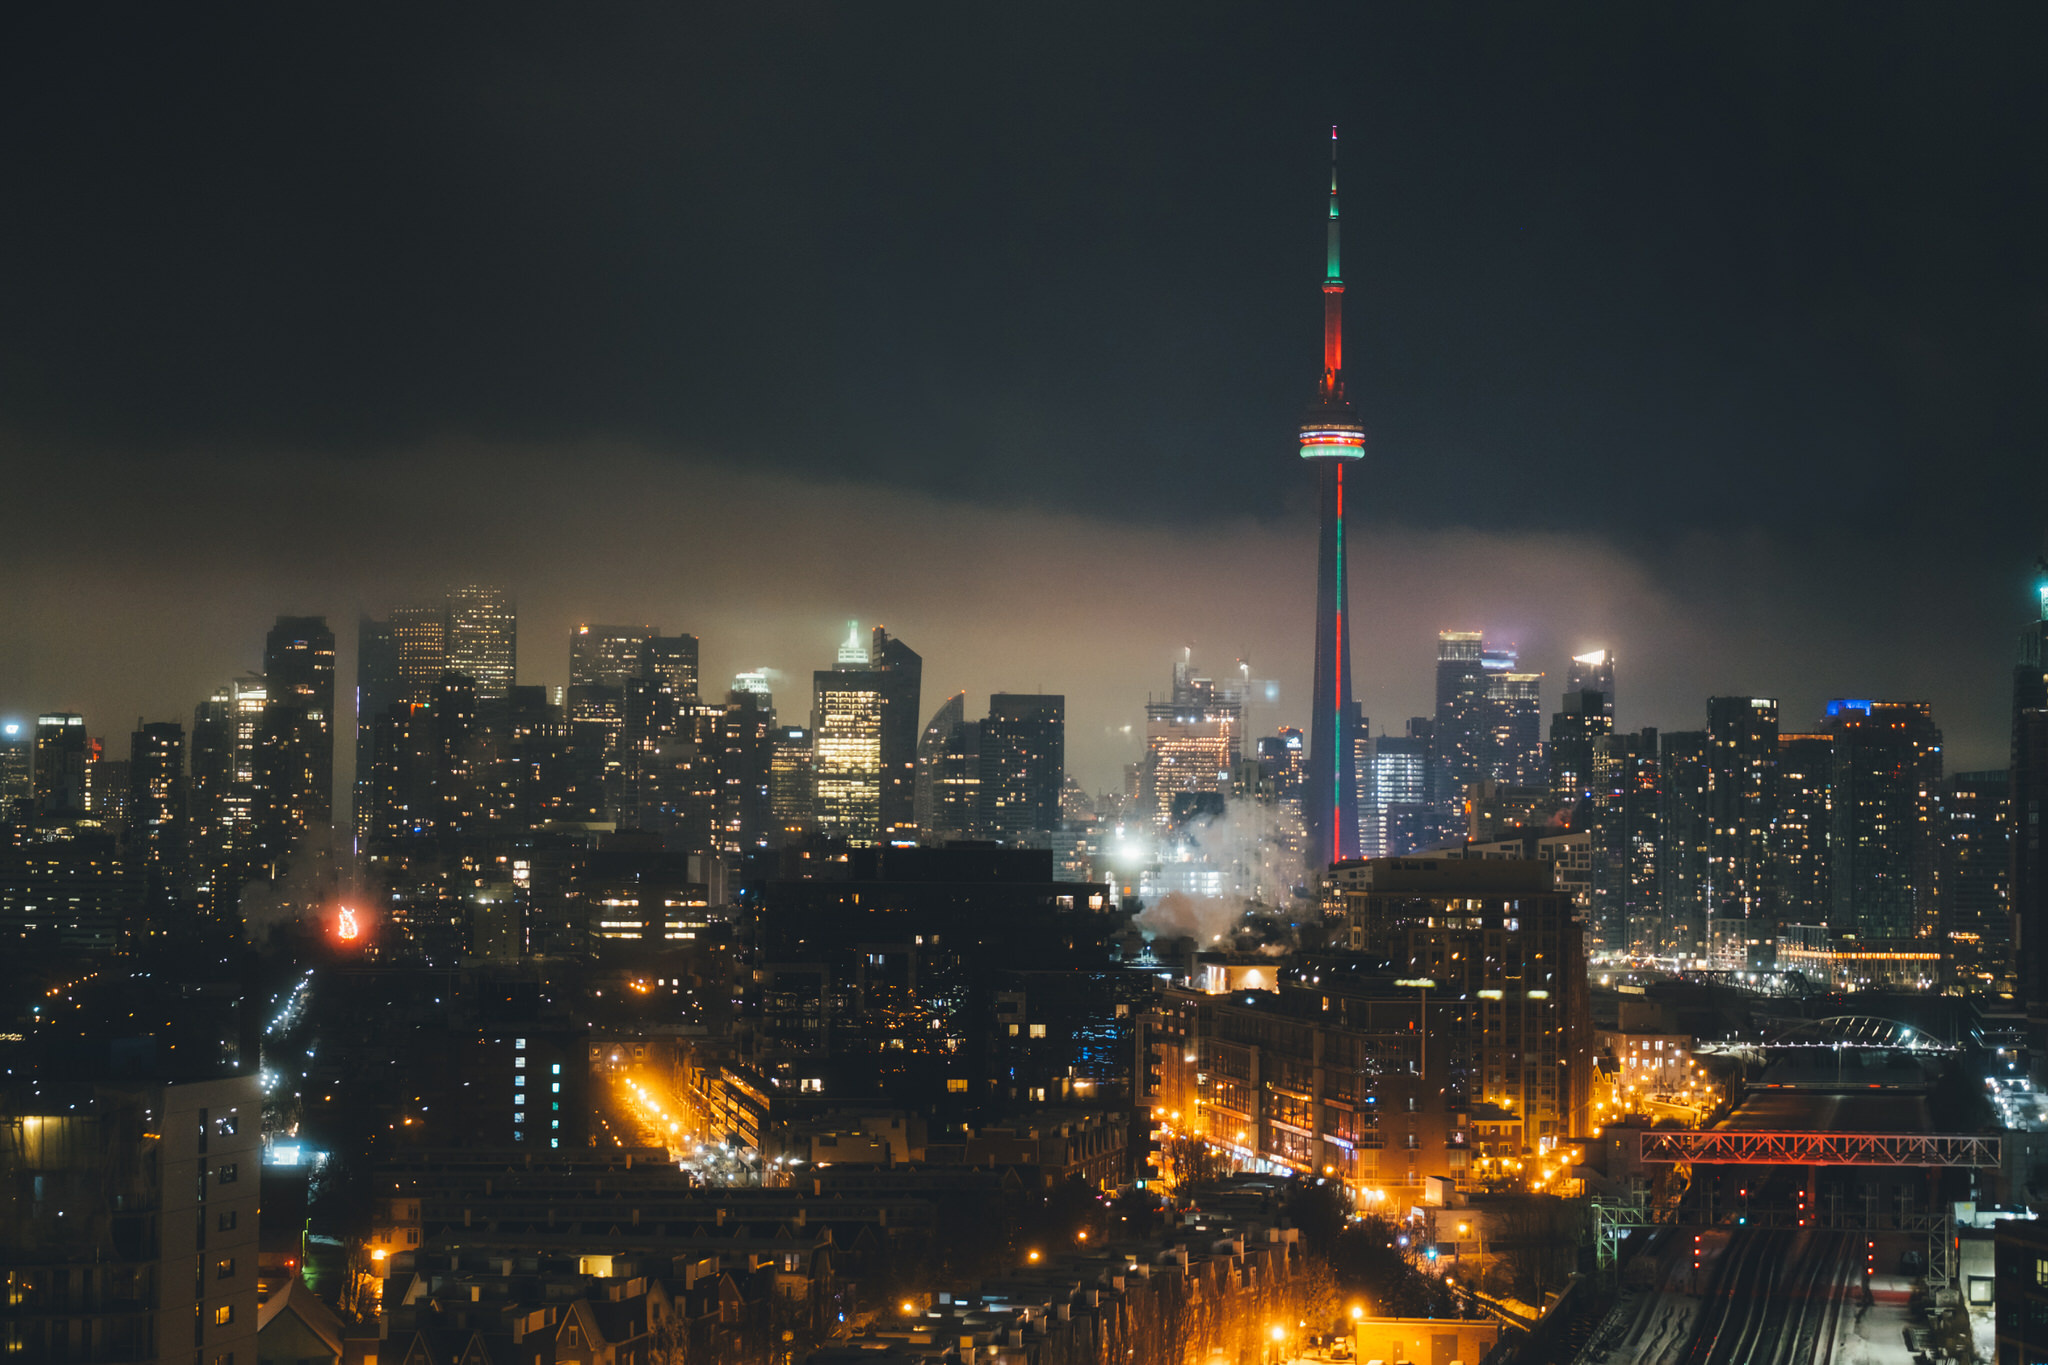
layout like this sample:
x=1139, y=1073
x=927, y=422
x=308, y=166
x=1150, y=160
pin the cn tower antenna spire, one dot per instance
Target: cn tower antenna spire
x=1333, y=297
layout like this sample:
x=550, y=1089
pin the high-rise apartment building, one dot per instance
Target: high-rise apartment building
x=159, y=823
x=1499, y=937
x=846, y=745
x=746, y=760
x=1800, y=823
x=1742, y=757
x=1687, y=827
x=1583, y=719
x=1513, y=724
x=1976, y=912
x=1458, y=757
x=224, y=797
x=1883, y=845
x=1626, y=791
x=295, y=753
x=899, y=672
x=483, y=638
x=140, y=1242
x=1023, y=764
x=1397, y=815
x=604, y=657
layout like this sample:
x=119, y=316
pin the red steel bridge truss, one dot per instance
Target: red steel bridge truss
x=1822, y=1149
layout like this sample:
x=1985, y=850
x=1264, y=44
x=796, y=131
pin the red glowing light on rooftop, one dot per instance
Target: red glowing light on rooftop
x=345, y=927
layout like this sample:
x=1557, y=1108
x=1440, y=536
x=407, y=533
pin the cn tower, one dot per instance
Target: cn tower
x=1331, y=438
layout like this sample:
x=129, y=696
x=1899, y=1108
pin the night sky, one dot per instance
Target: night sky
x=1713, y=335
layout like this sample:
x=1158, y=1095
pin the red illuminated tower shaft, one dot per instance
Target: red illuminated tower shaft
x=1332, y=439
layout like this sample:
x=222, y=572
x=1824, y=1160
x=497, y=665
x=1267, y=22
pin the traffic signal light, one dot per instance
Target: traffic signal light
x=1870, y=1258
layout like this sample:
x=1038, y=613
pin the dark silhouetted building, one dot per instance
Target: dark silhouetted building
x=1592, y=673
x=295, y=752
x=2027, y=808
x=1023, y=765
x=63, y=752
x=1883, y=847
x=900, y=673
x=1976, y=860
x=1585, y=717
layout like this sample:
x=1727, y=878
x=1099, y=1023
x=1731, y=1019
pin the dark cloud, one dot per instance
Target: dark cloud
x=1736, y=313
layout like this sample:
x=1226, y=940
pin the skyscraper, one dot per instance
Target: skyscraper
x=1457, y=745
x=158, y=820
x=378, y=689
x=62, y=752
x=900, y=672
x=1584, y=718
x=792, y=788
x=1626, y=789
x=483, y=638
x=1023, y=766
x=2027, y=806
x=295, y=753
x=1397, y=804
x=1683, y=757
x=673, y=660
x=1331, y=437
x=1592, y=673
x=419, y=632
x=17, y=767
x=1799, y=831
x=1975, y=862
x=846, y=744
x=931, y=747
x=1742, y=755
x=1192, y=745
x=1882, y=847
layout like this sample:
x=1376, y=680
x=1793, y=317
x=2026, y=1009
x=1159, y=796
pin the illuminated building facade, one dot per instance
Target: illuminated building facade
x=1500, y=939
x=1512, y=725
x=672, y=659
x=419, y=634
x=1799, y=830
x=1458, y=752
x=1023, y=763
x=846, y=746
x=1683, y=755
x=1742, y=760
x=1397, y=816
x=1882, y=845
x=1331, y=438
x=483, y=638
x=792, y=788
x=1626, y=792
x=1976, y=911
x=1192, y=745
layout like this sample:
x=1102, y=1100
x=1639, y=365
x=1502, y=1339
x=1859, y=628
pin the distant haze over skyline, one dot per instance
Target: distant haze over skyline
x=1710, y=336
x=758, y=567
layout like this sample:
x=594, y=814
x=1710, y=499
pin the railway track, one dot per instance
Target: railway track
x=1776, y=1300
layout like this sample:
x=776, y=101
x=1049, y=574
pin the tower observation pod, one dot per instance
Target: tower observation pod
x=1331, y=438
